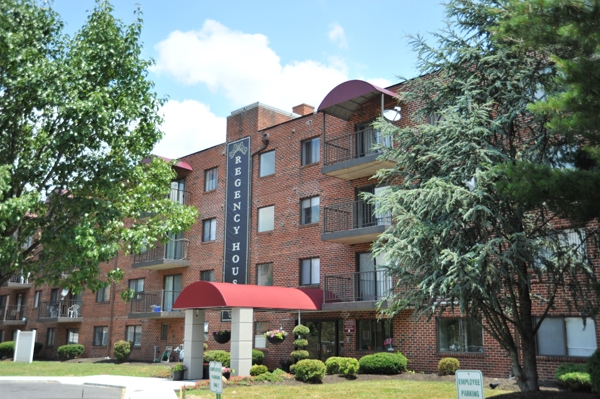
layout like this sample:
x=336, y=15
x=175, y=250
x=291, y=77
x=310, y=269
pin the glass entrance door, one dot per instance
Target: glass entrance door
x=326, y=339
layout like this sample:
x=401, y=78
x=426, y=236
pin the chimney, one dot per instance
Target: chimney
x=303, y=109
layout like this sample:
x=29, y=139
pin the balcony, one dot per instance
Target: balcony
x=171, y=255
x=353, y=222
x=13, y=315
x=355, y=155
x=60, y=311
x=18, y=282
x=356, y=291
x=154, y=305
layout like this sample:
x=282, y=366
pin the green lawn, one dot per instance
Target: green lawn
x=67, y=369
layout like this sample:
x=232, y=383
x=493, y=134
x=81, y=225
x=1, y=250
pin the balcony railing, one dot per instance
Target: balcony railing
x=12, y=313
x=60, y=309
x=180, y=196
x=174, y=249
x=352, y=146
x=352, y=215
x=154, y=301
x=357, y=287
x=19, y=279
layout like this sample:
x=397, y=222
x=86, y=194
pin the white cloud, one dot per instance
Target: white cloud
x=337, y=36
x=383, y=83
x=189, y=126
x=244, y=68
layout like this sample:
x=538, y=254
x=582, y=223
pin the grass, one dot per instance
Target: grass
x=70, y=369
x=347, y=390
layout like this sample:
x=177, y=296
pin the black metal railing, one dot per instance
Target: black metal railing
x=19, y=279
x=153, y=301
x=55, y=309
x=354, y=145
x=352, y=215
x=174, y=249
x=356, y=287
x=12, y=312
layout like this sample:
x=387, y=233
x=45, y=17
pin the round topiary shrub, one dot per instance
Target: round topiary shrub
x=301, y=330
x=594, y=370
x=448, y=365
x=332, y=365
x=122, y=351
x=383, y=363
x=310, y=370
x=300, y=354
x=7, y=349
x=348, y=366
x=257, y=356
x=218, y=356
x=258, y=369
x=71, y=351
x=300, y=343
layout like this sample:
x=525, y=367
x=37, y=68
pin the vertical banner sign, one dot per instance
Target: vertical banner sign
x=237, y=213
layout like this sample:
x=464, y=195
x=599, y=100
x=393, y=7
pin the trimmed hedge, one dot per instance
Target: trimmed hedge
x=7, y=349
x=310, y=370
x=300, y=354
x=383, y=363
x=218, y=356
x=122, y=350
x=594, y=370
x=257, y=356
x=301, y=329
x=258, y=369
x=71, y=351
x=348, y=366
x=448, y=365
x=332, y=365
x=575, y=377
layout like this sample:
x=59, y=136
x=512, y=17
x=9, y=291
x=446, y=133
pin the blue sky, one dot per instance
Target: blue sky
x=215, y=57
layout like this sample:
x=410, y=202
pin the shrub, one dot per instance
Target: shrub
x=448, y=365
x=257, y=356
x=575, y=377
x=348, y=366
x=122, y=350
x=37, y=348
x=293, y=369
x=270, y=377
x=383, y=363
x=218, y=356
x=310, y=370
x=332, y=365
x=594, y=370
x=300, y=354
x=7, y=349
x=71, y=351
x=300, y=343
x=258, y=369
x=301, y=330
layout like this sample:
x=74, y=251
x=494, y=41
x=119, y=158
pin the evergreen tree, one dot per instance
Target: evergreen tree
x=459, y=245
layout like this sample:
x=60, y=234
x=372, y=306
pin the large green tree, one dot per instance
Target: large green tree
x=568, y=31
x=77, y=119
x=459, y=245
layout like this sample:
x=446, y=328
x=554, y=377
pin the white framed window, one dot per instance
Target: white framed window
x=264, y=274
x=266, y=218
x=103, y=294
x=211, y=179
x=260, y=327
x=178, y=191
x=311, y=151
x=309, y=210
x=209, y=230
x=100, y=336
x=566, y=245
x=50, y=337
x=134, y=334
x=459, y=335
x=72, y=336
x=36, y=299
x=566, y=336
x=310, y=271
x=267, y=164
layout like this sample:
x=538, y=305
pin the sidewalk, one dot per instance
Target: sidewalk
x=135, y=387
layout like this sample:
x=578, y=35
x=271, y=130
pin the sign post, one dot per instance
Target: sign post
x=469, y=384
x=215, y=373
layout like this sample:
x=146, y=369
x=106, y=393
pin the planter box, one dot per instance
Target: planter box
x=222, y=338
x=275, y=340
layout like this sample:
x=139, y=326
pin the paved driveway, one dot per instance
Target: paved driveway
x=53, y=390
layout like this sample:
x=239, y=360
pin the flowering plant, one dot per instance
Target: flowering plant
x=388, y=342
x=278, y=333
x=227, y=370
x=222, y=332
x=179, y=367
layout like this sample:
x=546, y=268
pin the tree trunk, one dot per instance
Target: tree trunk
x=526, y=373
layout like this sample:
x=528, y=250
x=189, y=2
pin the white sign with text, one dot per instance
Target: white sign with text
x=215, y=373
x=469, y=384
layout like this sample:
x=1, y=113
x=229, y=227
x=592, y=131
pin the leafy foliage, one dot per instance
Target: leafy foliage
x=575, y=377
x=448, y=365
x=7, y=348
x=310, y=370
x=347, y=366
x=257, y=356
x=218, y=356
x=301, y=329
x=122, y=350
x=258, y=369
x=332, y=365
x=70, y=351
x=594, y=370
x=383, y=363
x=300, y=354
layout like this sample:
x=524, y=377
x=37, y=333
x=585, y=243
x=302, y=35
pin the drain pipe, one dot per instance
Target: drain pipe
x=265, y=140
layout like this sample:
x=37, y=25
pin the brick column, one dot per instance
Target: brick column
x=193, y=344
x=241, y=340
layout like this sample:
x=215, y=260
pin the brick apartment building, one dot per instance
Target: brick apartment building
x=306, y=227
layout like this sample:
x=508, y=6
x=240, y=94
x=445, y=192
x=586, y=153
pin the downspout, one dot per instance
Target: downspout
x=113, y=290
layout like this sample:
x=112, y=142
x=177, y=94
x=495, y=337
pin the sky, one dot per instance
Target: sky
x=212, y=58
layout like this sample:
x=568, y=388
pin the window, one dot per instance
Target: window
x=134, y=334
x=36, y=299
x=207, y=275
x=311, y=151
x=100, y=336
x=137, y=285
x=374, y=334
x=103, y=294
x=172, y=289
x=164, y=332
x=209, y=230
x=459, y=335
x=178, y=191
x=565, y=246
x=54, y=295
x=267, y=164
x=264, y=274
x=368, y=139
x=260, y=327
x=72, y=336
x=210, y=179
x=309, y=210
x=310, y=271
x=434, y=119
x=50, y=337
x=566, y=336
x=266, y=218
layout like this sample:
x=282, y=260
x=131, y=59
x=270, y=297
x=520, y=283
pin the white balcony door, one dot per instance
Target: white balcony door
x=383, y=218
x=174, y=248
x=172, y=290
x=366, y=267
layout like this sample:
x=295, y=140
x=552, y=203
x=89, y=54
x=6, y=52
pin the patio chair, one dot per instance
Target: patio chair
x=73, y=311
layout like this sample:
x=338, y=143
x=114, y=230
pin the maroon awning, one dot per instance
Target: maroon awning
x=208, y=294
x=343, y=100
x=179, y=164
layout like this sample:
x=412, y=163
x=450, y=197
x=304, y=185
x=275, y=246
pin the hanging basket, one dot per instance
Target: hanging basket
x=222, y=338
x=275, y=340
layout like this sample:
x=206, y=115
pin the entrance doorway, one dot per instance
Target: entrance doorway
x=326, y=339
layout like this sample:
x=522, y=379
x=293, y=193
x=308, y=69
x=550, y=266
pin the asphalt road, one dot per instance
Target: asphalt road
x=52, y=390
